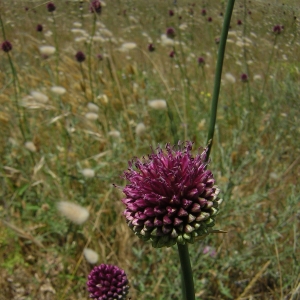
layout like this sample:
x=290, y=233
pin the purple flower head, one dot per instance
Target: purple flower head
x=209, y=19
x=171, y=13
x=170, y=32
x=39, y=28
x=171, y=196
x=6, y=46
x=203, y=12
x=201, y=61
x=96, y=6
x=100, y=57
x=244, y=77
x=151, y=47
x=80, y=57
x=51, y=7
x=239, y=22
x=172, y=54
x=107, y=282
x=277, y=29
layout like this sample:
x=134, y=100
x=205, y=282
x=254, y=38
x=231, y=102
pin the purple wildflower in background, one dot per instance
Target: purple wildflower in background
x=209, y=19
x=6, y=46
x=100, y=57
x=170, y=32
x=107, y=282
x=201, y=61
x=39, y=28
x=96, y=6
x=239, y=22
x=203, y=12
x=171, y=196
x=172, y=54
x=171, y=13
x=151, y=47
x=277, y=29
x=51, y=7
x=80, y=57
x=244, y=77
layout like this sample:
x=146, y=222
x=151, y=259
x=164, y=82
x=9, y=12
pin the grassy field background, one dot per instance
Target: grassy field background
x=48, y=140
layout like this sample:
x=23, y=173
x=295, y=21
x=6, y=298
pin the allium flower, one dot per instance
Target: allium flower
x=107, y=282
x=151, y=47
x=172, y=197
x=277, y=29
x=39, y=28
x=201, y=61
x=171, y=13
x=203, y=12
x=209, y=19
x=6, y=46
x=96, y=6
x=51, y=7
x=170, y=32
x=244, y=77
x=80, y=57
x=172, y=54
x=239, y=22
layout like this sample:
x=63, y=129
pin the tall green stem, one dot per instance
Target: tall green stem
x=218, y=74
x=188, y=291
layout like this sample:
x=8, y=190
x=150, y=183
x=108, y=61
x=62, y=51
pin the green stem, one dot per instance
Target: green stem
x=218, y=74
x=188, y=291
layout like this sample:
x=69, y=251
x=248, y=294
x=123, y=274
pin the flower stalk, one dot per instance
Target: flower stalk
x=218, y=74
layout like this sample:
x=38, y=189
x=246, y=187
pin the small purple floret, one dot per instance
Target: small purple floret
x=96, y=6
x=80, y=57
x=6, y=46
x=51, y=7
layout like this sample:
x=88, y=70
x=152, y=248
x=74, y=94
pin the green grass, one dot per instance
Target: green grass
x=255, y=156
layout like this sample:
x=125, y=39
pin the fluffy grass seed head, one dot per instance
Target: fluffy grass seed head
x=171, y=196
x=158, y=104
x=140, y=129
x=6, y=46
x=47, y=51
x=88, y=173
x=90, y=255
x=30, y=146
x=58, y=90
x=39, y=97
x=74, y=212
x=107, y=282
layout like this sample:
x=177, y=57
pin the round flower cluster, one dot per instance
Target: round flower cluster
x=172, y=197
x=107, y=282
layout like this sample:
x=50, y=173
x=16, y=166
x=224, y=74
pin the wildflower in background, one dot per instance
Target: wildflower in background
x=80, y=57
x=201, y=61
x=90, y=255
x=244, y=77
x=51, y=7
x=96, y=7
x=39, y=28
x=74, y=212
x=107, y=282
x=209, y=19
x=217, y=40
x=100, y=57
x=172, y=54
x=88, y=173
x=151, y=47
x=277, y=29
x=171, y=13
x=210, y=250
x=170, y=32
x=239, y=22
x=47, y=51
x=203, y=12
x=158, y=104
x=171, y=196
x=6, y=46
